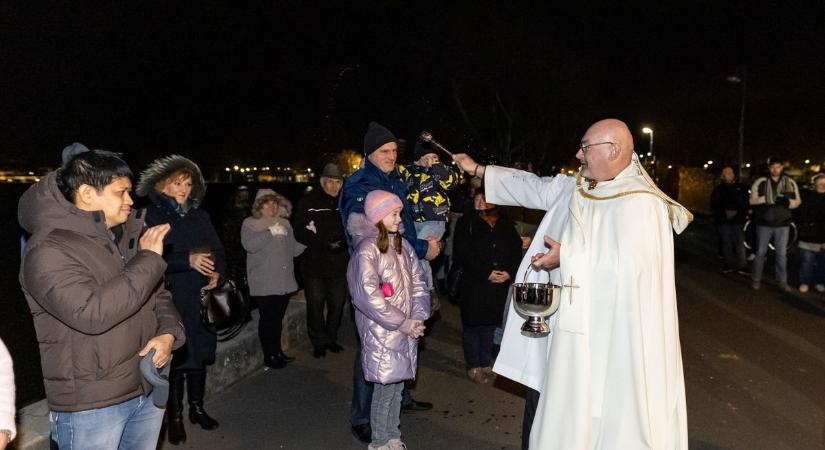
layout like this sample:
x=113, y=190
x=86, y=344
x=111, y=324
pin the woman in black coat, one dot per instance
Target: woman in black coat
x=195, y=261
x=488, y=249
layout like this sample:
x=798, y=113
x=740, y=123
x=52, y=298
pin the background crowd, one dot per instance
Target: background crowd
x=771, y=217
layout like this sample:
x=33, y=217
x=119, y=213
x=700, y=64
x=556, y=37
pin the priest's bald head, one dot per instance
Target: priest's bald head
x=606, y=149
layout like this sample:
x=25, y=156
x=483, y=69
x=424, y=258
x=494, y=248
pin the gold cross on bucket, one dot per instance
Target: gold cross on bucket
x=571, y=285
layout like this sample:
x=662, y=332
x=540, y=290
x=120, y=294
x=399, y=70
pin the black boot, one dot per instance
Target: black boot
x=175, y=433
x=274, y=362
x=195, y=388
x=285, y=357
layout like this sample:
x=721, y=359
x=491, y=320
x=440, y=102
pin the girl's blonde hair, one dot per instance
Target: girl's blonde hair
x=384, y=239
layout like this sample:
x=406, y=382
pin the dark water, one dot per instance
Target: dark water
x=227, y=204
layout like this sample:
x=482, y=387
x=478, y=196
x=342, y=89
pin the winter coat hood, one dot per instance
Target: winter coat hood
x=162, y=168
x=43, y=208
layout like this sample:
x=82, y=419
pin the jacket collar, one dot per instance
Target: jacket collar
x=373, y=170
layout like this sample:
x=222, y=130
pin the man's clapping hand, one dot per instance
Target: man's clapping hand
x=152, y=238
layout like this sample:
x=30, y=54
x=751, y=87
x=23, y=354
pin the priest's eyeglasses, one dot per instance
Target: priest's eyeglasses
x=585, y=147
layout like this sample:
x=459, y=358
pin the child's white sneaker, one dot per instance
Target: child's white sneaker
x=380, y=447
x=396, y=444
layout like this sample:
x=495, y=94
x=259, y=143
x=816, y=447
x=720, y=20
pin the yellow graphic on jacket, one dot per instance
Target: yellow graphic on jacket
x=428, y=189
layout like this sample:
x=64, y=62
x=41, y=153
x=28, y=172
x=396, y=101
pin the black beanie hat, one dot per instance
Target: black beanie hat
x=376, y=136
x=422, y=148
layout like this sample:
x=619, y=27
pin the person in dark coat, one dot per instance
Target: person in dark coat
x=488, y=249
x=324, y=264
x=195, y=261
x=729, y=203
x=810, y=220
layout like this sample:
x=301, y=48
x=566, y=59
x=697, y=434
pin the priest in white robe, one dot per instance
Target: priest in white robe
x=612, y=375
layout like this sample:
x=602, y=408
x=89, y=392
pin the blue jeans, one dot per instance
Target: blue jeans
x=359, y=412
x=478, y=345
x=811, y=267
x=780, y=243
x=386, y=412
x=423, y=230
x=131, y=425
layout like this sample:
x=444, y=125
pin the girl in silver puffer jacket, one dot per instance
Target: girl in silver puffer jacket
x=391, y=301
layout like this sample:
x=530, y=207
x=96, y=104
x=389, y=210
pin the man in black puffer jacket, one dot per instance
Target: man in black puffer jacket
x=773, y=197
x=324, y=263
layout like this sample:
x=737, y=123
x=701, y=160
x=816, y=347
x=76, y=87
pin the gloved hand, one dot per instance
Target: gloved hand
x=419, y=330
x=311, y=227
x=412, y=328
x=782, y=201
x=277, y=230
x=335, y=246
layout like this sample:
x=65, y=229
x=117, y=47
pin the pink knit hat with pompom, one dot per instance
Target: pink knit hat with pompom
x=380, y=203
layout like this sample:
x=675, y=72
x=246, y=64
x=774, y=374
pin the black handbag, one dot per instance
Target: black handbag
x=455, y=274
x=224, y=308
x=454, y=280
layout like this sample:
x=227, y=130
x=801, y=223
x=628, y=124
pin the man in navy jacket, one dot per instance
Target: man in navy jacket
x=379, y=172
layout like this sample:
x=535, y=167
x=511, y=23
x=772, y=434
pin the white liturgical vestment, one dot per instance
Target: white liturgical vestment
x=522, y=358
x=613, y=377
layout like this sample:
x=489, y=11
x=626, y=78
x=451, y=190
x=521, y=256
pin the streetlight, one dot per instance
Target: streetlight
x=648, y=130
x=741, y=80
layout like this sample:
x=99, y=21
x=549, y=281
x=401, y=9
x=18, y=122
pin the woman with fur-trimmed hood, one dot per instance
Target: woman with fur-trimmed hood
x=270, y=247
x=195, y=261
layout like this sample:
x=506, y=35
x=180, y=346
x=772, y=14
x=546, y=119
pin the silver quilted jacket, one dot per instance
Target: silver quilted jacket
x=387, y=355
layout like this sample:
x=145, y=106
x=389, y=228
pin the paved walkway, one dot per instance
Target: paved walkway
x=306, y=406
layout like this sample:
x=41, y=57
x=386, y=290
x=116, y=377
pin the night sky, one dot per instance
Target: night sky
x=284, y=82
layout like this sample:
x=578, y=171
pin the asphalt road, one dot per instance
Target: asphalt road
x=754, y=360
x=754, y=367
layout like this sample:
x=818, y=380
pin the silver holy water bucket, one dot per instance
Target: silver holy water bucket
x=537, y=301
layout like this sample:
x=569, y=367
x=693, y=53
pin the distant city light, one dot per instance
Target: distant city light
x=642, y=155
x=710, y=162
x=228, y=169
x=807, y=161
x=669, y=167
x=649, y=153
x=748, y=165
x=235, y=167
x=705, y=166
x=309, y=170
x=355, y=166
x=647, y=130
x=32, y=173
x=255, y=168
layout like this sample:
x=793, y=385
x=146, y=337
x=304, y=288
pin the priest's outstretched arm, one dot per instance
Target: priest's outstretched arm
x=512, y=187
